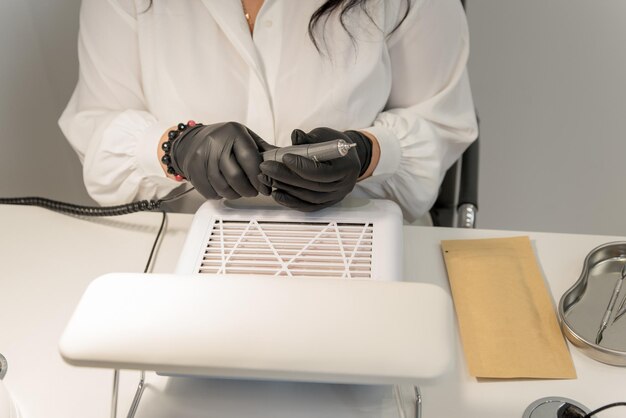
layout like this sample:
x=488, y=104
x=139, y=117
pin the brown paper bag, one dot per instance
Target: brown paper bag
x=507, y=321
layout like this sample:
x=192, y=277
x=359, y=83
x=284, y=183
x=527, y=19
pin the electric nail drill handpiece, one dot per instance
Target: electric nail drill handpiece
x=322, y=151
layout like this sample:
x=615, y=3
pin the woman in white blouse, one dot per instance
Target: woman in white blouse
x=390, y=73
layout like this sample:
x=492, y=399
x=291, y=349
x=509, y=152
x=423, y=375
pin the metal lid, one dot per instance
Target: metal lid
x=3, y=366
x=551, y=406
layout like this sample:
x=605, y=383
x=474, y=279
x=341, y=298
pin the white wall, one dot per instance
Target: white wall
x=38, y=69
x=548, y=78
x=549, y=82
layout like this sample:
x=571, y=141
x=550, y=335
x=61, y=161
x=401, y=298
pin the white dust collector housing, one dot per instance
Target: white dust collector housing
x=268, y=293
x=359, y=239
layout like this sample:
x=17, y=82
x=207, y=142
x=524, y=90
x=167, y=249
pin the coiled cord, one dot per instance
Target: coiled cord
x=91, y=211
x=80, y=210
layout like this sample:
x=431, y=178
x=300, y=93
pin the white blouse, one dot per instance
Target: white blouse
x=144, y=71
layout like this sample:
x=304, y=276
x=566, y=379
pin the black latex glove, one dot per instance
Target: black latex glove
x=303, y=184
x=221, y=160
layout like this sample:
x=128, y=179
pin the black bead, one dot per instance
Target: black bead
x=182, y=126
x=170, y=170
x=172, y=134
x=166, y=159
x=166, y=146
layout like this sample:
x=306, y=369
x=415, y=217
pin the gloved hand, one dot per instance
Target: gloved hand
x=303, y=184
x=221, y=160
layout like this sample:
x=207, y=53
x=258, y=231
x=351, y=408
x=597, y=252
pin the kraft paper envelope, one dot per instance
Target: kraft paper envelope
x=507, y=321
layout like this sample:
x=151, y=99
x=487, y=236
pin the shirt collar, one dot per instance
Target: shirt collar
x=230, y=18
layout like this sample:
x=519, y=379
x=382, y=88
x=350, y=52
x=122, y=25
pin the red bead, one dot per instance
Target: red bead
x=191, y=123
x=178, y=177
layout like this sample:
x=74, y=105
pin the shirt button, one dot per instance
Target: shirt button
x=267, y=23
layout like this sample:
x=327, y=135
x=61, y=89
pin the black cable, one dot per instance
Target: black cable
x=602, y=408
x=156, y=241
x=80, y=210
x=91, y=211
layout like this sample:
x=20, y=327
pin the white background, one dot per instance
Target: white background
x=548, y=80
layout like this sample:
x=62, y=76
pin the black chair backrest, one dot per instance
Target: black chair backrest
x=459, y=186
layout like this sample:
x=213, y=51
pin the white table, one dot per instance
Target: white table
x=48, y=259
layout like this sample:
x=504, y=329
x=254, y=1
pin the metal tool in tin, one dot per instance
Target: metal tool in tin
x=611, y=305
x=621, y=309
x=322, y=151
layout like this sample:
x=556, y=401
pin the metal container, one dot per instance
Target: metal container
x=583, y=306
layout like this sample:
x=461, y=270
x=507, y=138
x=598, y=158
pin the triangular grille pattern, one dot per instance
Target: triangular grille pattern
x=323, y=249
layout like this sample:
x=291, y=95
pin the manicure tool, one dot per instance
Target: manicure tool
x=611, y=305
x=322, y=151
x=621, y=309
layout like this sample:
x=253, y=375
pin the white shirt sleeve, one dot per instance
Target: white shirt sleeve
x=429, y=119
x=106, y=120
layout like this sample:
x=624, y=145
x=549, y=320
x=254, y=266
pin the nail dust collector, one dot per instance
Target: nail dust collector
x=265, y=293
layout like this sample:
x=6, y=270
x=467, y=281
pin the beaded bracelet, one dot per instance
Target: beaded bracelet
x=167, y=147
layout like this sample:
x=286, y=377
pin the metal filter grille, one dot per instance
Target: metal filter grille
x=322, y=249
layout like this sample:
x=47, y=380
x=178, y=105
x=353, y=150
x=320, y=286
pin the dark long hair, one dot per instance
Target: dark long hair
x=344, y=7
